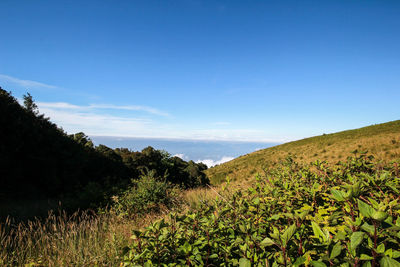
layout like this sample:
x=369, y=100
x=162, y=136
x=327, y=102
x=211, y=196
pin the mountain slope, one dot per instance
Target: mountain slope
x=381, y=141
x=38, y=159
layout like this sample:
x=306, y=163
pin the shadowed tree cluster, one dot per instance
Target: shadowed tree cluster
x=177, y=171
x=38, y=159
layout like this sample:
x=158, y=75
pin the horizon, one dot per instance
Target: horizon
x=209, y=152
x=184, y=139
x=224, y=71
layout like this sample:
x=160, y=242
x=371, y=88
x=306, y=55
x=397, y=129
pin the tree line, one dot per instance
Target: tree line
x=39, y=159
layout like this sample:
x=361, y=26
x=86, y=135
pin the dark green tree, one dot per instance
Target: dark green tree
x=29, y=104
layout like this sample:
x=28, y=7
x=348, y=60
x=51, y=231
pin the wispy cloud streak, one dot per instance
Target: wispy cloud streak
x=101, y=120
x=25, y=83
x=133, y=107
x=63, y=105
x=93, y=123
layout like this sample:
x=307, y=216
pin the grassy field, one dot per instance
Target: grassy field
x=381, y=140
x=84, y=238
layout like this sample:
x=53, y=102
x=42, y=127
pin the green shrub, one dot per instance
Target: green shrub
x=148, y=194
x=346, y=215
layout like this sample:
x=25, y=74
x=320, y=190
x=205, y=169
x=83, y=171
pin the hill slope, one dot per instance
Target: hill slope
x=38, y=159
x=381, y=140
x=40, y=162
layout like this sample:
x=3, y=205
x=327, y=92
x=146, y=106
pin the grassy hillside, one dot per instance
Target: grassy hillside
x=381, y=140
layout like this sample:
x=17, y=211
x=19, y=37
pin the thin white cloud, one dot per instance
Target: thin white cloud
x=25, y=83
x=97, y=124
x=97, y=120
x=58, y=105
x=130, y=107
x=63, y=105
x=211, y=163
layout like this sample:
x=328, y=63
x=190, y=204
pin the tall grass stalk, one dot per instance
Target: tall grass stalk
x=83, y=239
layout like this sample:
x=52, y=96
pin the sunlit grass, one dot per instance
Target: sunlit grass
x=83, y=239
x=382, y=141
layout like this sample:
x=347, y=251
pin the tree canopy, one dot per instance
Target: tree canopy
x=38, y=159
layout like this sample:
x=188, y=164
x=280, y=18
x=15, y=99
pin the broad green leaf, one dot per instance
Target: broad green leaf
x=388, y=262
x=336, y=250
x=380, y=216
x=389, y=253
x=267, y=242
x=356, y=239
x=381, y=248
x=287, y=235
x=365, y=257
x=338, y=195
x=341, y=235
x=243, y=262
x=318, y=264
x=275, y=217
x=395, y=254
x=318, y=231
x=365, y=209
x=368, y=228
x=299, y=261
x=186, y=247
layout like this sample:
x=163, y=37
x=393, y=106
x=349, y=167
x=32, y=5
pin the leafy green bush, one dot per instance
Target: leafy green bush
x=186, y=174
x=294, y=216
x=148, y=194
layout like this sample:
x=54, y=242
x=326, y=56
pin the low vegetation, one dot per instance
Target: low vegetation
x=64, y=240
x=88, y=238
x=295, y=215
x=146, y=195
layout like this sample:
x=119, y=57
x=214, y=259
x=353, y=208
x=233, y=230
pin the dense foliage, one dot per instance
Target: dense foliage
x=314, y=215
x=187, y=174
x=148, y=194
x=38, y=160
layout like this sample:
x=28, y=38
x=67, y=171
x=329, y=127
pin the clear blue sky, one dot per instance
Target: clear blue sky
x=234, y=70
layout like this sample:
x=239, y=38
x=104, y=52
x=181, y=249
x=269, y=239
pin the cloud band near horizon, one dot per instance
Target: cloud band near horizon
x=25, y=83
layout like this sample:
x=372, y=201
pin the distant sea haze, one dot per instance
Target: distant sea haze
x=210, y=153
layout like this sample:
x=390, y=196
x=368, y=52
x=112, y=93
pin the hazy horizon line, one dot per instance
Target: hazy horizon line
x=192, y=139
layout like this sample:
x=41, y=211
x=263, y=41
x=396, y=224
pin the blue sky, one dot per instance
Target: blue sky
x=223, y=70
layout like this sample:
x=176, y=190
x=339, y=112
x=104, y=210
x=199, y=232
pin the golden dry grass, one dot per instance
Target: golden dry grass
x=83, y=239
x=382, y=141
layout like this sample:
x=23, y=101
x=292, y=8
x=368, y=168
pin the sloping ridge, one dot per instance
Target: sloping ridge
x=380, y=140
x=38, y=159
